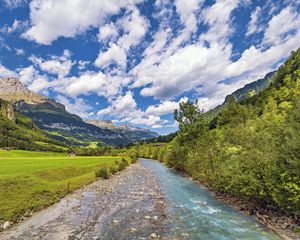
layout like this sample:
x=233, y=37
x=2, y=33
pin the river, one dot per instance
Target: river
x=194, y=213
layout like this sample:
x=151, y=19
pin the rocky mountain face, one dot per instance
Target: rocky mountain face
x=102, y=124
x=132, y=133
x=11, y=89
x=53, y=118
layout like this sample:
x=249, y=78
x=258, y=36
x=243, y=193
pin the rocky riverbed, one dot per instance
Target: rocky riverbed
x=145, y=201
x=130, y=205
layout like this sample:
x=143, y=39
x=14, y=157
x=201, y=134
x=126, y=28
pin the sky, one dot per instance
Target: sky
x=134, y=61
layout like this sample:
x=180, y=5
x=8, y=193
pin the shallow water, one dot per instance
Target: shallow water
x=195, y=214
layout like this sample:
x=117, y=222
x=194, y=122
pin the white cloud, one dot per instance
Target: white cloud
x=92, y=82
x=181, y=72
x=254, y=26
x=5, y=72
x=108, y=31
x=121, y=106
x=125, y=109
x=82, y=64
x=20, y=51
x=33, y=79
x=218, y=18
x=27, y=74
x=14, y=3
x=16, y=26
x=115, y=54
x=282, y=25
x=164, y=108
x=134, y=27
x=51, y=19
x=57, y=65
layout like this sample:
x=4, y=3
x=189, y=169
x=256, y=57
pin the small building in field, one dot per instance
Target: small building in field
x=72, y=154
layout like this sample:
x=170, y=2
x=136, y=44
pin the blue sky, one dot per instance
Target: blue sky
x=133, y=61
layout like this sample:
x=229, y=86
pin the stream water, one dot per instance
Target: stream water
x=193, y=213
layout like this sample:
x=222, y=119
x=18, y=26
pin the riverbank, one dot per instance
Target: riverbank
x=282, y=225
x=129, y=204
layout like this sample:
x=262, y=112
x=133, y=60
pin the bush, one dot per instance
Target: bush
x=103, y=173
x=113, y=169
x=125, y=161
x=122, y=165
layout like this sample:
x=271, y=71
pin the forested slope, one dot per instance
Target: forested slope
x=252, y=148
x=19, y=132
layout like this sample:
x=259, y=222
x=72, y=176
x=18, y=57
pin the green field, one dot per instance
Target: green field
x=32, y=180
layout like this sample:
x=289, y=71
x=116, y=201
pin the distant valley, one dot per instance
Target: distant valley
x=58, y=124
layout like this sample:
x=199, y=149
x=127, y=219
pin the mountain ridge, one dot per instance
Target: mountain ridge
x=53, y=118
x=132, y=133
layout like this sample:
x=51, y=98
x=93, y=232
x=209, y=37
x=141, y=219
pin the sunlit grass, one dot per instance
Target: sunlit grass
x=31, y=180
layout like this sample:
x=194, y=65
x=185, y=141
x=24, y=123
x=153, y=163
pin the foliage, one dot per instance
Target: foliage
x=251, y=149
x=103, y=173
x=24, y=134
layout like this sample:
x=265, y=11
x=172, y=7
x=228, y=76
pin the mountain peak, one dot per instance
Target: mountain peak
x=12, y=89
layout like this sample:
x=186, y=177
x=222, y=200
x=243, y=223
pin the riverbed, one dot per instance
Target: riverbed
x=145, y=201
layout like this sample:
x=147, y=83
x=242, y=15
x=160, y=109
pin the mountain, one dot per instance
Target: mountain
x=249, y=90
x=53, y=118
x=19, y=132
x=132, y=133
x=11, y=89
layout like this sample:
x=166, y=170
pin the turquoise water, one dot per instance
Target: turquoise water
x=195, y=214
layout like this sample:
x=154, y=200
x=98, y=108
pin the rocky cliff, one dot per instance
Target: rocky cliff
x=11, y=89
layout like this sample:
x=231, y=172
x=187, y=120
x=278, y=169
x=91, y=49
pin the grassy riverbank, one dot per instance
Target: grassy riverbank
x=31, y=180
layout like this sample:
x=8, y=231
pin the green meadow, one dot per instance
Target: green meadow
x=32, y=180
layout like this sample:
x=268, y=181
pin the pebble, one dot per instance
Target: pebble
x=132, y=230
x=147, y=217
x=153, y=235
x=115, y=221
x=6, y=225
x=155, y=218
x=185, y=234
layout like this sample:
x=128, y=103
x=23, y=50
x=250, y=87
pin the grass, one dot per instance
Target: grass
x=32, y=180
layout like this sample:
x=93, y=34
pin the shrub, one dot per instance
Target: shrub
x=103, y=173
x=113, y=169
x=122, y=165
x=125, y=161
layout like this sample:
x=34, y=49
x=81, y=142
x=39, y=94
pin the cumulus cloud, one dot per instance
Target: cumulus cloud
x=124, y=108
x=51, y=19
x=57, y=65
x=134, y=27
x=32, y=78
x=254, y=26
x=282, y=26
x=164, y=108
x=108, y=31
x=92, y=82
